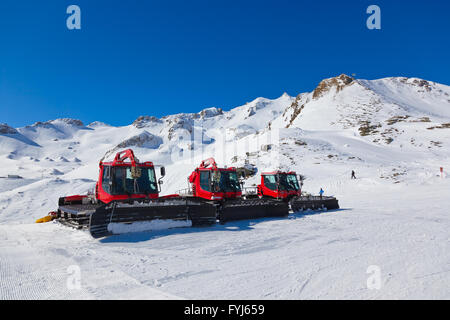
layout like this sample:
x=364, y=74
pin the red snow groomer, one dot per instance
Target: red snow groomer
x=279, y=185
x=286, y=187
x=221, y=187
x=127, y=191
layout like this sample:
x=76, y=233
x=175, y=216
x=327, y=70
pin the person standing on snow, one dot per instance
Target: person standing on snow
x=321, y=193
x=353, y=175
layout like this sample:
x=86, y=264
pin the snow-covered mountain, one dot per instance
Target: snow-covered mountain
x=400, y=116
x=392, y=123
x=394, y=132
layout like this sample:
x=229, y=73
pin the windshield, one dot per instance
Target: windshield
x=284, y=182
x=288, y=182
x=226, y=181
x=124, y=183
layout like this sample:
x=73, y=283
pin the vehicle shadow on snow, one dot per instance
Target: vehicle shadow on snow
x=231, y=226
x=299, y=214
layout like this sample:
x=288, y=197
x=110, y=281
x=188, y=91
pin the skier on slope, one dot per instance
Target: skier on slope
x=353, y=175
x=321, y=193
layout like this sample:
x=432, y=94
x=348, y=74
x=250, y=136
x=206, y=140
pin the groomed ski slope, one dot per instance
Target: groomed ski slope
x=400, y=229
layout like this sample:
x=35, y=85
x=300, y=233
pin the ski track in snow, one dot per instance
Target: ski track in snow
x=40, y=270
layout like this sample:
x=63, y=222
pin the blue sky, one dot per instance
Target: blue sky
x=134, y=58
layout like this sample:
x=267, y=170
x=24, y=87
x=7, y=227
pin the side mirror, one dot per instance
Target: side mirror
x=163, y=171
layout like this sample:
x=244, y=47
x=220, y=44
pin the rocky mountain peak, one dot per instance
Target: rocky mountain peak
x=50, y=123
x=337, y=82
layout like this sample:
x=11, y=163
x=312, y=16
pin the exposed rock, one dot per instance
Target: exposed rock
x=436, y=144
x=367, y=129
x=422, y=119
x=51, y=123
x=300, y=143
x=179, y=123
x=260, y=103
x=296, y=110
x=396, y=119
x=338, y=82
x=210, y=112
x=144, y=139
x=422, y=83
x=5, y=129
x=73, y=122
x=442, y=126
x=144, y=121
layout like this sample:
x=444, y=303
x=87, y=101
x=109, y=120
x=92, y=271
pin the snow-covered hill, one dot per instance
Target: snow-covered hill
x=394, y=132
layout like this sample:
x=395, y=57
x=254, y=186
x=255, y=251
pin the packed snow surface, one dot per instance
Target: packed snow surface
x=389, y=240
x=312, y=255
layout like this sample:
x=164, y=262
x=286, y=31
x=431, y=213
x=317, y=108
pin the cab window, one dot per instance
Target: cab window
x=205, y=181
x=270, y=182
x=106, y=179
